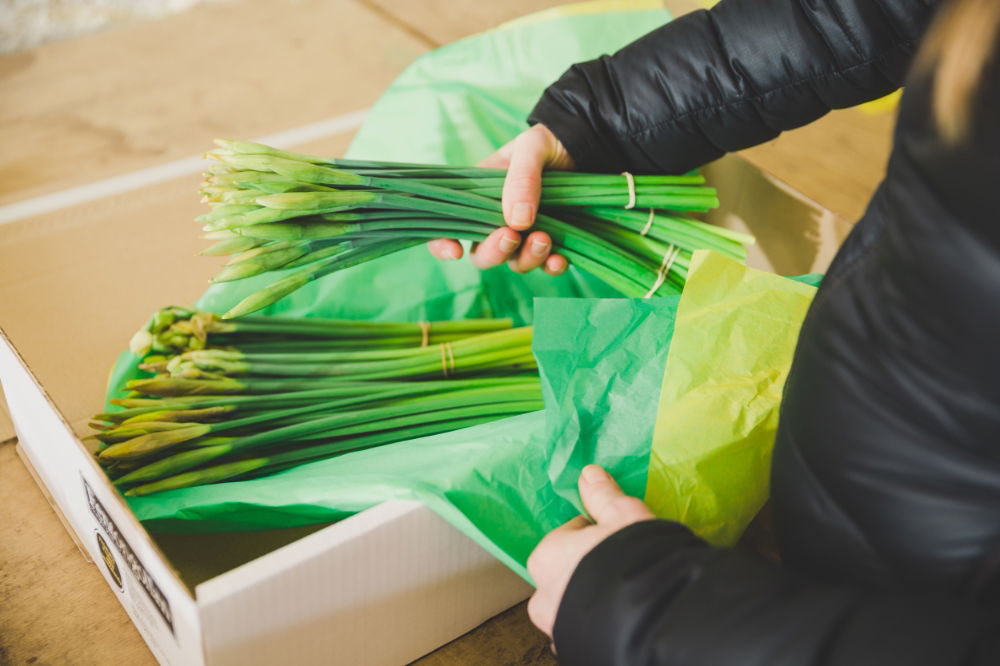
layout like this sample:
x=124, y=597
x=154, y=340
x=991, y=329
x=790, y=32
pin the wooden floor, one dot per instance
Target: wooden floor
x=83, y=110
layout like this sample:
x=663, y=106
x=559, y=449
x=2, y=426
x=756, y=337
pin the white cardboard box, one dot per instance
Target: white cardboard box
x=383, y=587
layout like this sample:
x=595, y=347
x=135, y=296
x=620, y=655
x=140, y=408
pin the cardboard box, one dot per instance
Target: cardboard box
x=383, y=587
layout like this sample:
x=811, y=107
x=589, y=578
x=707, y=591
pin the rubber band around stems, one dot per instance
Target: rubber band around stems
x=425, y=333
x=665, y=266
x=649, y=223
x=447, y=358
x=631, y=190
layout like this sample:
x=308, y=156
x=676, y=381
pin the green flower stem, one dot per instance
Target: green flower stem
x=153, y=443
x=476, y=397
x=479, y=401
x=346, y=328
x=557, y=179
x=636, y=220
x=346, y=344
x=281, y=397
x=471, y=342
x=510, y=340
x=278, y=290
x=401, y=430
x=328, y=230
x=352, y=211
x=689, y=239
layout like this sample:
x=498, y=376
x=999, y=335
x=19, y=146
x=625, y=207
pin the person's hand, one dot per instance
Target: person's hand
x=557, y=555
x=524, y=157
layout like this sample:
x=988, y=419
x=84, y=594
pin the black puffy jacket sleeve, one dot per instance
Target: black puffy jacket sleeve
x=655, y=594
x=720, y=80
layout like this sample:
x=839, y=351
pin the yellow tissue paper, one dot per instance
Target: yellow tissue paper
x=734, y=338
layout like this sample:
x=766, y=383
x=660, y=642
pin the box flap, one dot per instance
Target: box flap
x=382, y=587
x=152, y=595
x=795, y=235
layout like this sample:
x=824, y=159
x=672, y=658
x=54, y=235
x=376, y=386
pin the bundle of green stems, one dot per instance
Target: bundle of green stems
x=217, y=413
x=308, y=216
x=175, y=330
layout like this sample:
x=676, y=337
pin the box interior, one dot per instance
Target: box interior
x=200, y=557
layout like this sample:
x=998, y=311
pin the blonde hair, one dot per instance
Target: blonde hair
x=956, y=50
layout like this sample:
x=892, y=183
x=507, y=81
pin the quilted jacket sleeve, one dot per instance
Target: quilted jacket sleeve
x=720, y=80
x=656, y=594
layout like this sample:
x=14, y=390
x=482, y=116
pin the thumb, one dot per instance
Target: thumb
x=522, y=188
x=604, y=500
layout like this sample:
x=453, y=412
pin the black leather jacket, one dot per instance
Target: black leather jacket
x=886, y=472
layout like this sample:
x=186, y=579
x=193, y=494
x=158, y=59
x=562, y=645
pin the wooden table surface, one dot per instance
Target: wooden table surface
x=54, y=606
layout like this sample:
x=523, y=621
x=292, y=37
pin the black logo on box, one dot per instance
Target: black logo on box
x=109, y=561
x=132, y=561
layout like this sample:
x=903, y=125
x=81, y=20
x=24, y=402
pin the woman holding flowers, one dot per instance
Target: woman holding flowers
x=886, y=472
